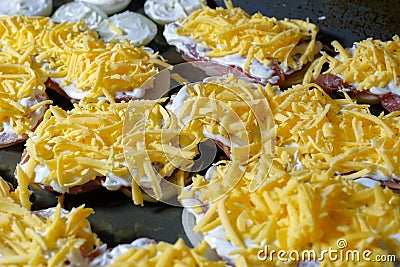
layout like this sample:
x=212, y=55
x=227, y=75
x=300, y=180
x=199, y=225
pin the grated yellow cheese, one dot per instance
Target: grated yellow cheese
x=317, y=132
x=43, y=239
x=105, y=71
x=232, y=111
x=304, y=210
x=76, y=55
x=307, y=123
x=71, y=148
x=233, y=31
x=156, y=145
x=321, y=143
x=22, y=93
x=165, y=254
x=367, y=64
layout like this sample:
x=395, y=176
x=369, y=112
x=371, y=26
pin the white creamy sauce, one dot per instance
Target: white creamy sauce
x=58, y=188
x=76, y=259
x=135, y=27
x=216, y=239
x=257, y=69
x=166, y=11
x=297, y=163
x=36, y=116
x=179, y=99
x=109, y=6
x=391, y=87
x=41, y=173
x=113, y=182
x=135, y=93
x=296, y=157
x=47, y=213
x=26, y=7
x=181, y=42
x=78, y=10
x=211, y=173
x=367, y=182
x=7, y=129
x=27, y=101
x=71, y=90
x=380, y=176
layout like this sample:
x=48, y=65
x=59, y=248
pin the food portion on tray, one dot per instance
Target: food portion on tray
x=303, y=165
x=57, y=237
x=75, y=62
x=45, y=237
x=319, y=180
x=368, y=71
x=23, y=97
x=266, y=49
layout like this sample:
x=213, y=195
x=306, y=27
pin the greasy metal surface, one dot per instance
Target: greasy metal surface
x=116, y=220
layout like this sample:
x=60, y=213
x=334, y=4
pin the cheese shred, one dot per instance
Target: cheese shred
x=232, y=31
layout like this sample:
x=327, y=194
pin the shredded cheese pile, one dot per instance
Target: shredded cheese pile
x=291, y=211
x=336, y=135
x=321, y=144
x=70, y=148
x=24, y=34
x=34, y=36
x=157, y=147
x=165, y=254
x=233, y=31
x=307, y=123
x=231, y=111
x=29, y=239
x=116, y=68
x=96, y=140
x=22, y=97
x=369, y=63
x=71, y=52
